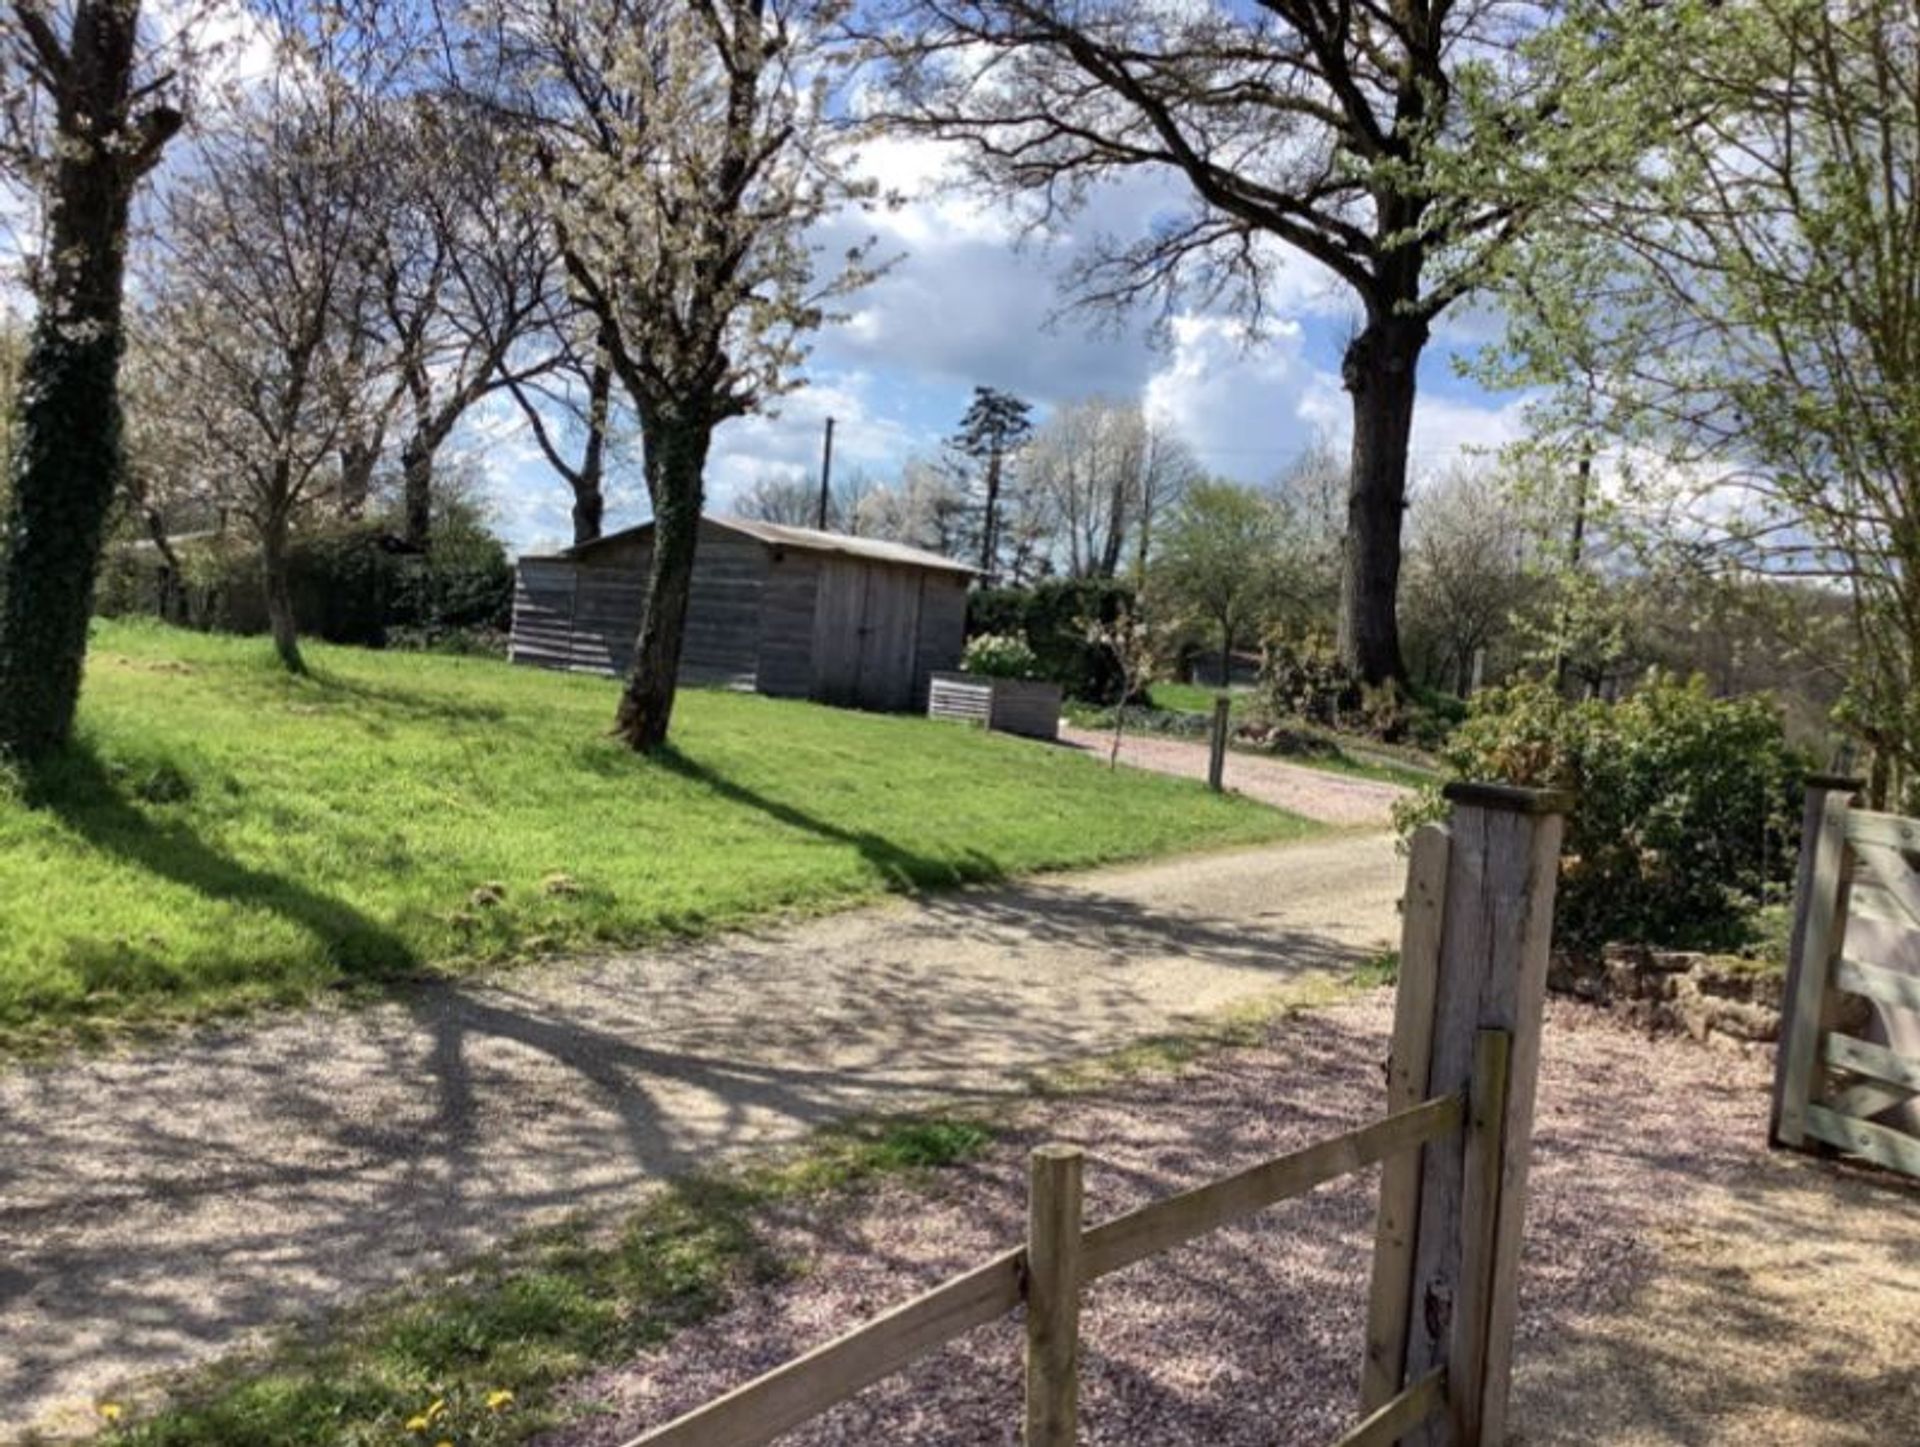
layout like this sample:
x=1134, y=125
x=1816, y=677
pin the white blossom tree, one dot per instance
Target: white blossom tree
x=262, y=251
x=681, y=152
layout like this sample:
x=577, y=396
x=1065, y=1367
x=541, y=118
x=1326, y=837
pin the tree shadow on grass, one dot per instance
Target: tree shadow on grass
x=81, y=790
x=901, y=868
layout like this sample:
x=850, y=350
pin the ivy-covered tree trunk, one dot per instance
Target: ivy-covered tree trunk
x=68, y=455
x=416, y=488
x=676, y=461
x=276, y=579
x=1379, y=372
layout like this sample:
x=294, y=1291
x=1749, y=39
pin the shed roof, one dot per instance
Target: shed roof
x=779, y=535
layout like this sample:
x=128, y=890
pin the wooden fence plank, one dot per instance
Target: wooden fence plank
x=1889, y=987
x=1400, y=1414
x=1217, y=742
x=1391, y=1293
x=1502, y=866
x=1895, y=1150
x=1888, y=830
x=1820, y=921
x=1894, y=876
x=1863, y=1057
x=1479, y=1218
x=1053, y=1297
x=806, y=1386
x=1865, y=1099
x=1162, y=1225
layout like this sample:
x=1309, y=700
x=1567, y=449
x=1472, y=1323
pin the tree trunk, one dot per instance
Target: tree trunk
x=989, y=544
x=172, y=602
x=1379, y=372
x=416, y=482
x=589, y=497
x=279, y=590
x=358, y=459
x=1226, y=654
x=68, y=454
x=676, y=461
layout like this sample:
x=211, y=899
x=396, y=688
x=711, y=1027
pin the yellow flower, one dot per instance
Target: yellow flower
x=418, y=1424
x=444, y=1442
x=110, y=1410
x=499, y=1399
x=439, y=1406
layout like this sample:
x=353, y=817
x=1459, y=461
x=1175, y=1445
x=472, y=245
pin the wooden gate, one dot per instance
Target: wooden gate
x=1453, y=1148
x=1848, y=1070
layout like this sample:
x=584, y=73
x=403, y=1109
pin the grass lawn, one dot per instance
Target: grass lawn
x=224, y=835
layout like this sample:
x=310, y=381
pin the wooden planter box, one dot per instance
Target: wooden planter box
x=1012, y=705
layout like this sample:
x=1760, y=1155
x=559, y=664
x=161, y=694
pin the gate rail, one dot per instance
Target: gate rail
x=1453, y=1148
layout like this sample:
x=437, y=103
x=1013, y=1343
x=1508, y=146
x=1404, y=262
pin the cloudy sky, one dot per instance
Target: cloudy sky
x=966, y=305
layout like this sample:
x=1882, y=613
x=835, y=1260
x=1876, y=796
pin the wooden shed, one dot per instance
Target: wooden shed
x=784, y=611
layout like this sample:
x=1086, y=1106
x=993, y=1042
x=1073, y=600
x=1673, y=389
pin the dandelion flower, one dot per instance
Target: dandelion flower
x=498, y=1399
x=418, y=1423
x=110, y=1411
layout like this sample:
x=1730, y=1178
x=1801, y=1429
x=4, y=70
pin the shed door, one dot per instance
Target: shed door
x=838, y=616
x=887, y=638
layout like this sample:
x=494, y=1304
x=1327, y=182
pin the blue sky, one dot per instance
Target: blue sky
x=966, y=305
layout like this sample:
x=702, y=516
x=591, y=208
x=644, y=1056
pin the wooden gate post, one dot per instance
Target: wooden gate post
x=1053, y=1297
x=1819, y=923
x=1495, y=933
x=1217, y=743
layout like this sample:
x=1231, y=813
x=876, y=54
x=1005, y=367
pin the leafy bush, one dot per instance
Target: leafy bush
x=1052, y=617
x=1684, y=809
x=1000, y=655
x=1303, y=680
x=350, y=583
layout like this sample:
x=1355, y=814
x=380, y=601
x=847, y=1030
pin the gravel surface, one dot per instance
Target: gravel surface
x=157, y=1206
x=1316, y=793
x=1669, y=1264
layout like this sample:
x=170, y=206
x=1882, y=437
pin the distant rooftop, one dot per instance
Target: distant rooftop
x=810, y=540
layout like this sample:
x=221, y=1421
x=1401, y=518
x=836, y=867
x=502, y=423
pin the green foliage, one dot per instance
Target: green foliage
x=231, y=836
x=1000, y=655
x=480, y=1359
x=1303, y=680
x=1684, y=808
x=1053, y=618
x=349, y=583
x=1221, y=560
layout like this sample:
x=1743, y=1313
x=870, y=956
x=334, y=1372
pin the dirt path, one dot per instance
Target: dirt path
x=1334, y=798
x=1681, y=1285
x=156, y=1206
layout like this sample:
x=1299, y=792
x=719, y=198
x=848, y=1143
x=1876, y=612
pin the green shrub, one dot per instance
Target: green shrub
x=1000, y=655
x=1684, y=811
x=1052, y=617
x=1303, y=681
x=350, y=583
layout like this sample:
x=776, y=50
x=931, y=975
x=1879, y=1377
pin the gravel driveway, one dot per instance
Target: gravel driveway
x=158, y=1205
x=1681, y=1285
x=1316, y=793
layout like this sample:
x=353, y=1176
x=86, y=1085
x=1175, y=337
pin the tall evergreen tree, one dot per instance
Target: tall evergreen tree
x=995, y=425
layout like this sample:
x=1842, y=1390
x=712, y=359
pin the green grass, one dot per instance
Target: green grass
x=225, y=836
x=1192, y=698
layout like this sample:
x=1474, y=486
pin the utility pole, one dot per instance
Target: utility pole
x=826, y=476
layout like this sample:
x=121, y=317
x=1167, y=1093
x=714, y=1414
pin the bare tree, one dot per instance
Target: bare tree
x=1377, y=141
x=463, y=277
x=1106, y=473
x=84, y=115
